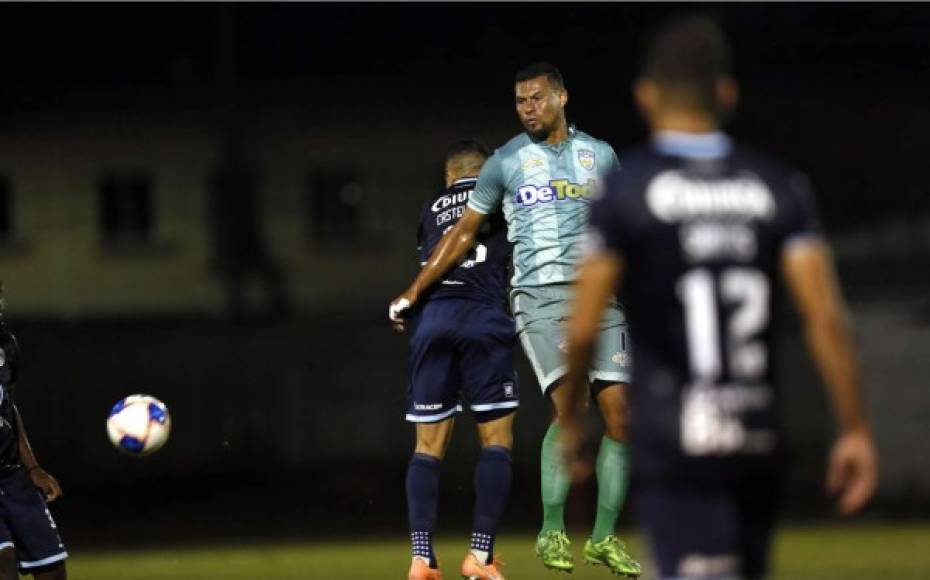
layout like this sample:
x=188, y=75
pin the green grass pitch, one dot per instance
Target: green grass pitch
x=901, y=552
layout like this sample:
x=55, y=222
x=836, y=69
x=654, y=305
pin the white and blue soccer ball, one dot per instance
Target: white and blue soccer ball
x=139, y=424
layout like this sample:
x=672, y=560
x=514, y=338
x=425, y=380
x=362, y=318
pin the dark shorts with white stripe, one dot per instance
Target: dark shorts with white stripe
x=461, y=354
x=26, y=525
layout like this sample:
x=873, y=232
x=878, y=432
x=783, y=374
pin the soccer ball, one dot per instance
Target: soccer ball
x=139, y=424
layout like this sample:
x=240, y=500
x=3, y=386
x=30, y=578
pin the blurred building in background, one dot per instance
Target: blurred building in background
x=116, y=213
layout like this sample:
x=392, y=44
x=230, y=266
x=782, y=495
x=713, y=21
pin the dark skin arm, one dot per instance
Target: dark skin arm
x=594, y=287
x=43, y=480
x=448, y=252
x=852, y=473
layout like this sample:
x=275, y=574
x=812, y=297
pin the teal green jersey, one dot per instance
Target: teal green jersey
x=545, y=191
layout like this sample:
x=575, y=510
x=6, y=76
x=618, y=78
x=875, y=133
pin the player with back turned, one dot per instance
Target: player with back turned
x=29, y=538
x=461, y=352
x=695, y=233
x=543, y=181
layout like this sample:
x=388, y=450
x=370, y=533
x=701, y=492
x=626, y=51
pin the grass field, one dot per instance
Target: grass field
x=886, y=552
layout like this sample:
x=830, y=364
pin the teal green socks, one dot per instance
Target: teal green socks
x=555, y=481
x=613, y=480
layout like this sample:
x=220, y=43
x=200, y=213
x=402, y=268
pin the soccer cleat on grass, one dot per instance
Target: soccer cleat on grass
x=420, y=570
x=554, y=549
x=611, y=552
x=472, y=569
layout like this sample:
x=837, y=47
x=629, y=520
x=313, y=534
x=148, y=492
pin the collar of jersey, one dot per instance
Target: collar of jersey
x=462, y=180
x=693, y=145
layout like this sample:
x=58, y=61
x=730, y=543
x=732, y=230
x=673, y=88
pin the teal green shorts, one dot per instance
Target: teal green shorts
x=541, y=313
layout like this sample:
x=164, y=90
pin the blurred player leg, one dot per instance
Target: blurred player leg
x=759, y=499
x=423, y=495
x=694, y=528
x=8, y=562
x=56, y=571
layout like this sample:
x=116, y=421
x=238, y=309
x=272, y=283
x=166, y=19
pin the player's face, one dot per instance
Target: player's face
x=540, y=106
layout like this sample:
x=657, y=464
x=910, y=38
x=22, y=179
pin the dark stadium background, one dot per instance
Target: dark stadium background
x=291, y=423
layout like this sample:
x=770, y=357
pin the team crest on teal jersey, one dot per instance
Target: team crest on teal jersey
x=586, y=158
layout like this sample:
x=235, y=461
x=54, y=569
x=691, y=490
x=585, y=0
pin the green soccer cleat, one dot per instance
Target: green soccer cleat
x=611, y=552
x=553, y=548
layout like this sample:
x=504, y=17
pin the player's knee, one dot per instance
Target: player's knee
x=617, y=424
x=432, y=448
x=433, y=438
x=617, y=432
x=611, y=400
x=502, y=438
x=496, y=429
x=433, y=444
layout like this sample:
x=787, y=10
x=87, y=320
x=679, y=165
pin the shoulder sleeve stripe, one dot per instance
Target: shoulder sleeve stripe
x=473, y=205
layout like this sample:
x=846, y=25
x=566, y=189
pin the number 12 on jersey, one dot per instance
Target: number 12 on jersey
x=735, y=302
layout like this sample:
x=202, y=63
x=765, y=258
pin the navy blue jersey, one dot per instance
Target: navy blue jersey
x=701, y=224
x=482, y=275
x=9, y=367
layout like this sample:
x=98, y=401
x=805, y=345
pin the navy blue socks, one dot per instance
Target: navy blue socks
x=493, y=475
x=422, y=500
x=492, y=488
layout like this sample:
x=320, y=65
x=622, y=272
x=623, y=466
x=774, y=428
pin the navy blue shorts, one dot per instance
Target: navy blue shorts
x=461, y=353
x=26, y=524
x=710, y=530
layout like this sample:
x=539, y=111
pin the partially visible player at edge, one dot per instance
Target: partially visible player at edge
x=461, y=351
x=543, y=180
x=29, y=539
x=695, y=232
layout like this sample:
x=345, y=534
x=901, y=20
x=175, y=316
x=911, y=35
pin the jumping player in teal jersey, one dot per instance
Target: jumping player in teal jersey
x=543, y=181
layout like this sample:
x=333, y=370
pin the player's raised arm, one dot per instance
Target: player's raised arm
x=450, y=250
x=458, y=241
x=852, y=472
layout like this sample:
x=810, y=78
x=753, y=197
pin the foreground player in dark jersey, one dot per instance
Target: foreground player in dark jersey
x=461, y=352
x=696, y=230
x=29, y=538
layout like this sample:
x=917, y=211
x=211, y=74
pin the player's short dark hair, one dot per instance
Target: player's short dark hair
x=688, y=55
x=540, y=69
x=467, y=148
